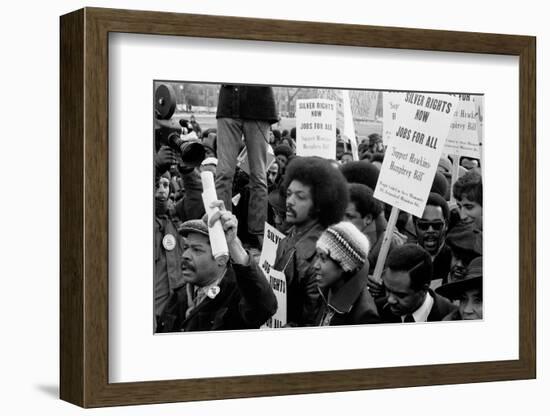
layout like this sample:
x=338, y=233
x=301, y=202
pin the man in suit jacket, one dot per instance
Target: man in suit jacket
x=407, y=281
x=217, y=295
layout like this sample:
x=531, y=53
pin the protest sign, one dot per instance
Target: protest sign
x=421, y=127
x=479, y=101
x=349, y=127
x=276, y=279
x=463, y=137
x=316, y=128
x=369, y=103
x=336, y=96
x=390, y=102
x=272, y=238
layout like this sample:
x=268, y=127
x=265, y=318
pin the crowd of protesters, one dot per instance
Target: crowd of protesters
x=333, y=227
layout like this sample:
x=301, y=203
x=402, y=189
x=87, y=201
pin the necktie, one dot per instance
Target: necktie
x=409, y=318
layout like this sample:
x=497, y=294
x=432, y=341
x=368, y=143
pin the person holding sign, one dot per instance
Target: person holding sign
x=362, y=211
x=407, y=282
x=217, y=295
x=341, y=269
x=316, y=197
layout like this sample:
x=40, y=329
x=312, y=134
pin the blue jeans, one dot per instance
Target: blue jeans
x=230, y=133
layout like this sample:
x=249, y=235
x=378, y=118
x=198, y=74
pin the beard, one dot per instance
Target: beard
x=161, y=206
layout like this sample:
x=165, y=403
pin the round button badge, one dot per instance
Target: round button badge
x=169, y=242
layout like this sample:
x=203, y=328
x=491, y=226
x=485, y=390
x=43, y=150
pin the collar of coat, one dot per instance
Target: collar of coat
x=226, y=285
x=347, y=295
x=304, y=241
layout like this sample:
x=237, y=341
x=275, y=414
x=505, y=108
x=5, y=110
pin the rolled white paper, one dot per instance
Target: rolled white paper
x=215, y=233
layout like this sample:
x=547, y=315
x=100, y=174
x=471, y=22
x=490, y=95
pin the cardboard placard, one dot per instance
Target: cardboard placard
x=421, y=127
x=316, y=128
x=463, y=137
x=349, y=126
x=390, y=103
x=276, y=279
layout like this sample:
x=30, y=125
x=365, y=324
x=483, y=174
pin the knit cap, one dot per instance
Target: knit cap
x=345, y=244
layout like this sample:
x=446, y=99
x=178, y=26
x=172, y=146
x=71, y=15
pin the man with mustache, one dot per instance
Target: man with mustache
x=167, y=277
x=218, y=294
x=407, y=281
x=430, y=231
x=316, y=197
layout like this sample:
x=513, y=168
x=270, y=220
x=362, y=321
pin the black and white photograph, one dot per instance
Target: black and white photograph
x=297, y=206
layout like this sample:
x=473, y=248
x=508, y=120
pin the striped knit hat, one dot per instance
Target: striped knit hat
x=345, y=244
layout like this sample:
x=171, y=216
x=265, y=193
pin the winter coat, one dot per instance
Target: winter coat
x=247, y=102
x=351, y=305
x=295, y=257
x=245, y=301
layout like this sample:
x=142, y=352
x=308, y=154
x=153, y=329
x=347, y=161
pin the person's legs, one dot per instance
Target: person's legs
x=256, y=134
x=229, y=141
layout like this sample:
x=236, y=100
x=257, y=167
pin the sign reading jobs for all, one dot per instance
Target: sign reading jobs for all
x=316, y=128
x=421, y=126
x=276, y=279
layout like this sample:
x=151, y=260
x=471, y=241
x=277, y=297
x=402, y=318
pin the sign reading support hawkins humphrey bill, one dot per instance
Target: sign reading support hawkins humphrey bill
x=421, y=126
x=316, y=128
x=463, y=137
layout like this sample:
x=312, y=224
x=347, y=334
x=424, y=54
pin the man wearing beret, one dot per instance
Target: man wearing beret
x=218, y=294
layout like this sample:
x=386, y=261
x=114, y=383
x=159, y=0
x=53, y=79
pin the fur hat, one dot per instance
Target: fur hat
x=345, y=244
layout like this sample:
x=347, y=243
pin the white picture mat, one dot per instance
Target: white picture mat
x=135, y=354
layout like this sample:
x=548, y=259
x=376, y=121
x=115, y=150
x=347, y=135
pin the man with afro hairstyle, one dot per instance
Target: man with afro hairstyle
x=316, y=197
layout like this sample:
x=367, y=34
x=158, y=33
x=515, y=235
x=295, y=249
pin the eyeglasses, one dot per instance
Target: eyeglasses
x=424, y=225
